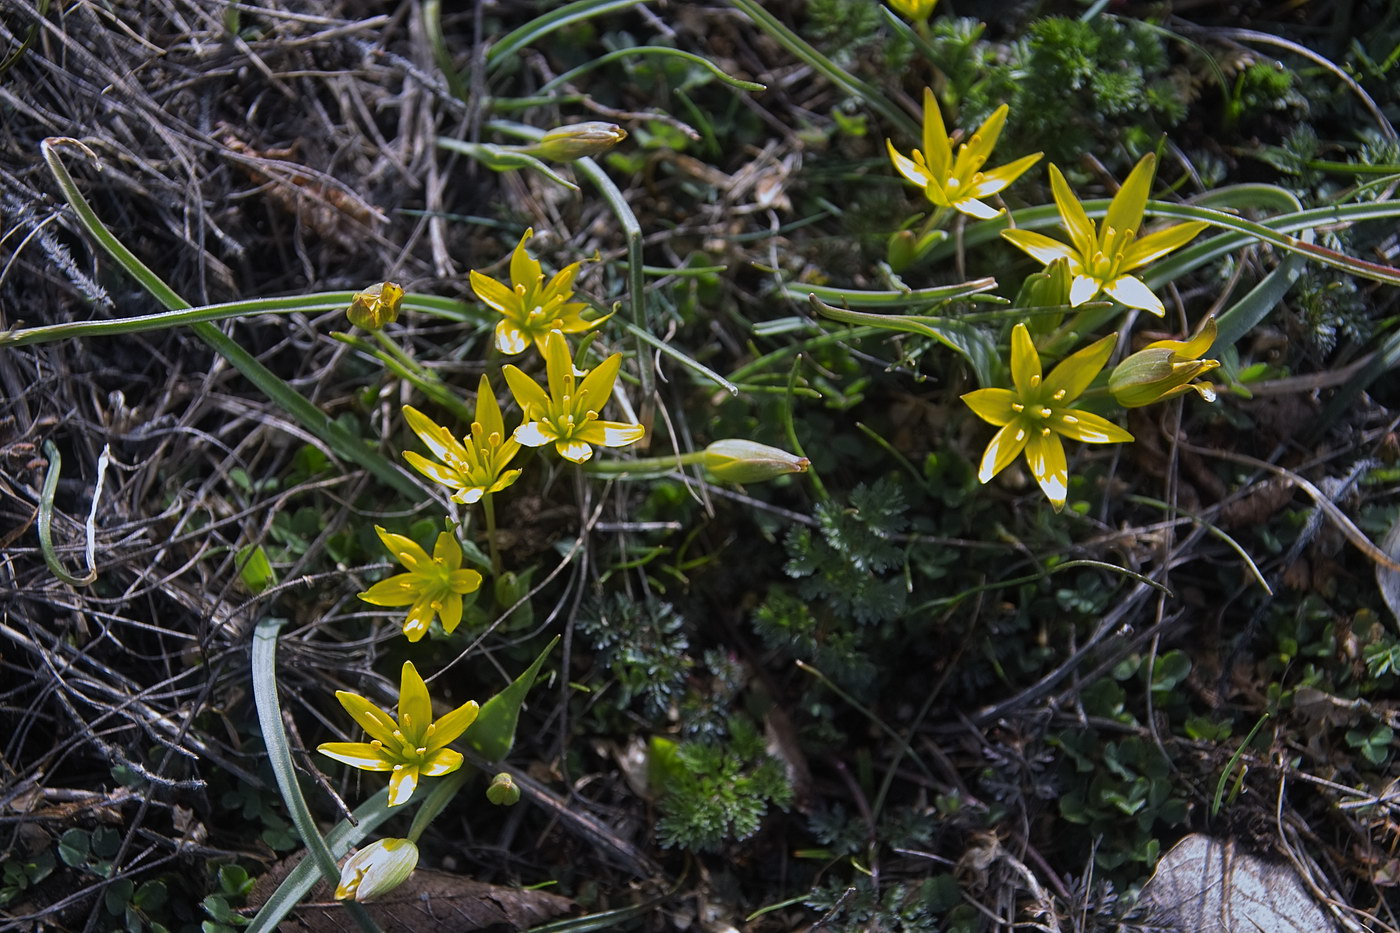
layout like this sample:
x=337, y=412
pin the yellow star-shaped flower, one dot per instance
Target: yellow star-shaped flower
x=567, y=415
x=433, y=585
x=1036, y=412
x=409, y=747
x=959, y=182
x=1100, y=260
x=530, y=308
x=475, y=468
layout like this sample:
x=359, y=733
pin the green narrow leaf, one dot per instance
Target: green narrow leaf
x=255, y=570
x=975, y=346
x=493, y=733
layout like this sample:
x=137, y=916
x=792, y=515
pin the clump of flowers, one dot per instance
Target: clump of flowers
x=530, y=309
x=1036, y=412
x=1101, y=260
x=477, y=465
x=410, y=747
x=567, y=414
x=959, y=182
x=433, y=586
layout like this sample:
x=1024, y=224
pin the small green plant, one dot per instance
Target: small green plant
x=713, y=791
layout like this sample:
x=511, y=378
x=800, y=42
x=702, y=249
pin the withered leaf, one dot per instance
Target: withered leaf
x=428, y=902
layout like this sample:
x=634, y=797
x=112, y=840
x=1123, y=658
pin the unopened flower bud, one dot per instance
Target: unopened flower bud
x=376, y=306
x=917, y=10
x=377, y=869
x=578, y=140
x=1164, y=370
x=503, y=792
x=733, y=460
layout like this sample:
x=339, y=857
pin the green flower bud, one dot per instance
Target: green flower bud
x=376, y=306
x=503, y=792
x=1164, y=370
x=377, y=869
x=578, y=140
x=733, y=460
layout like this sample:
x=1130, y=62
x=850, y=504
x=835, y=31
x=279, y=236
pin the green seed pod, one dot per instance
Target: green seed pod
x=503, y=792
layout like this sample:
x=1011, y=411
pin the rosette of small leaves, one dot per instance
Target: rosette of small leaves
x=718, y=791
x=642, y=644
x=845, y=587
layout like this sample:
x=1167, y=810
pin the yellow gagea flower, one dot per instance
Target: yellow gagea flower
x=1035, y=412
x=1100, y=260
x=959, y=182
x=409, y=747
x=1164, y=370
x=475, y=466
x=530, y=308
x=433, y=585
x=917, y=10
x=567, y=415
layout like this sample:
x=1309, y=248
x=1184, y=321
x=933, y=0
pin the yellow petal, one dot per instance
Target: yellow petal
x=360, y=755
x=975, y=208
x=1125, y=210
x=510, y=338
x=447, y=552
x=405, y=550
x=488, y=410
x=447, y=729
x=998, y=178
x=399, y=590
x=402, y=783
x=1045, y=455
x=379, y=724
x=495, y=294
x=907, y=167
x=1088, y=427
x=938, y=152
x=524, y=270
x=1025, y=362
x=992, y=405
x=1077, y=223
x=436, y=472
x=1083, y=288
x=415, y=624
x=435, y=437
x=1158, y=244
x=415, y=709
x=1039, y=246
x=1003, y=448
x=984, y=138
x=528, y=394
x=575, y=450
x=610, y=433
x=1074, y=373
x=598, y=384
x=558, y=364
x=444, y=762
x=534, y=434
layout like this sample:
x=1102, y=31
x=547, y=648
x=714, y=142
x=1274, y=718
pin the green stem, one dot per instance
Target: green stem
x=279, y=753
x=443, y=791
x=426, y=380
x=656, y=465
x=298, y=406
x=488, y=508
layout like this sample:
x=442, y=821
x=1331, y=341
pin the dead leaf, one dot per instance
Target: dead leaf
x=428, y=902
x=1206, y=885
